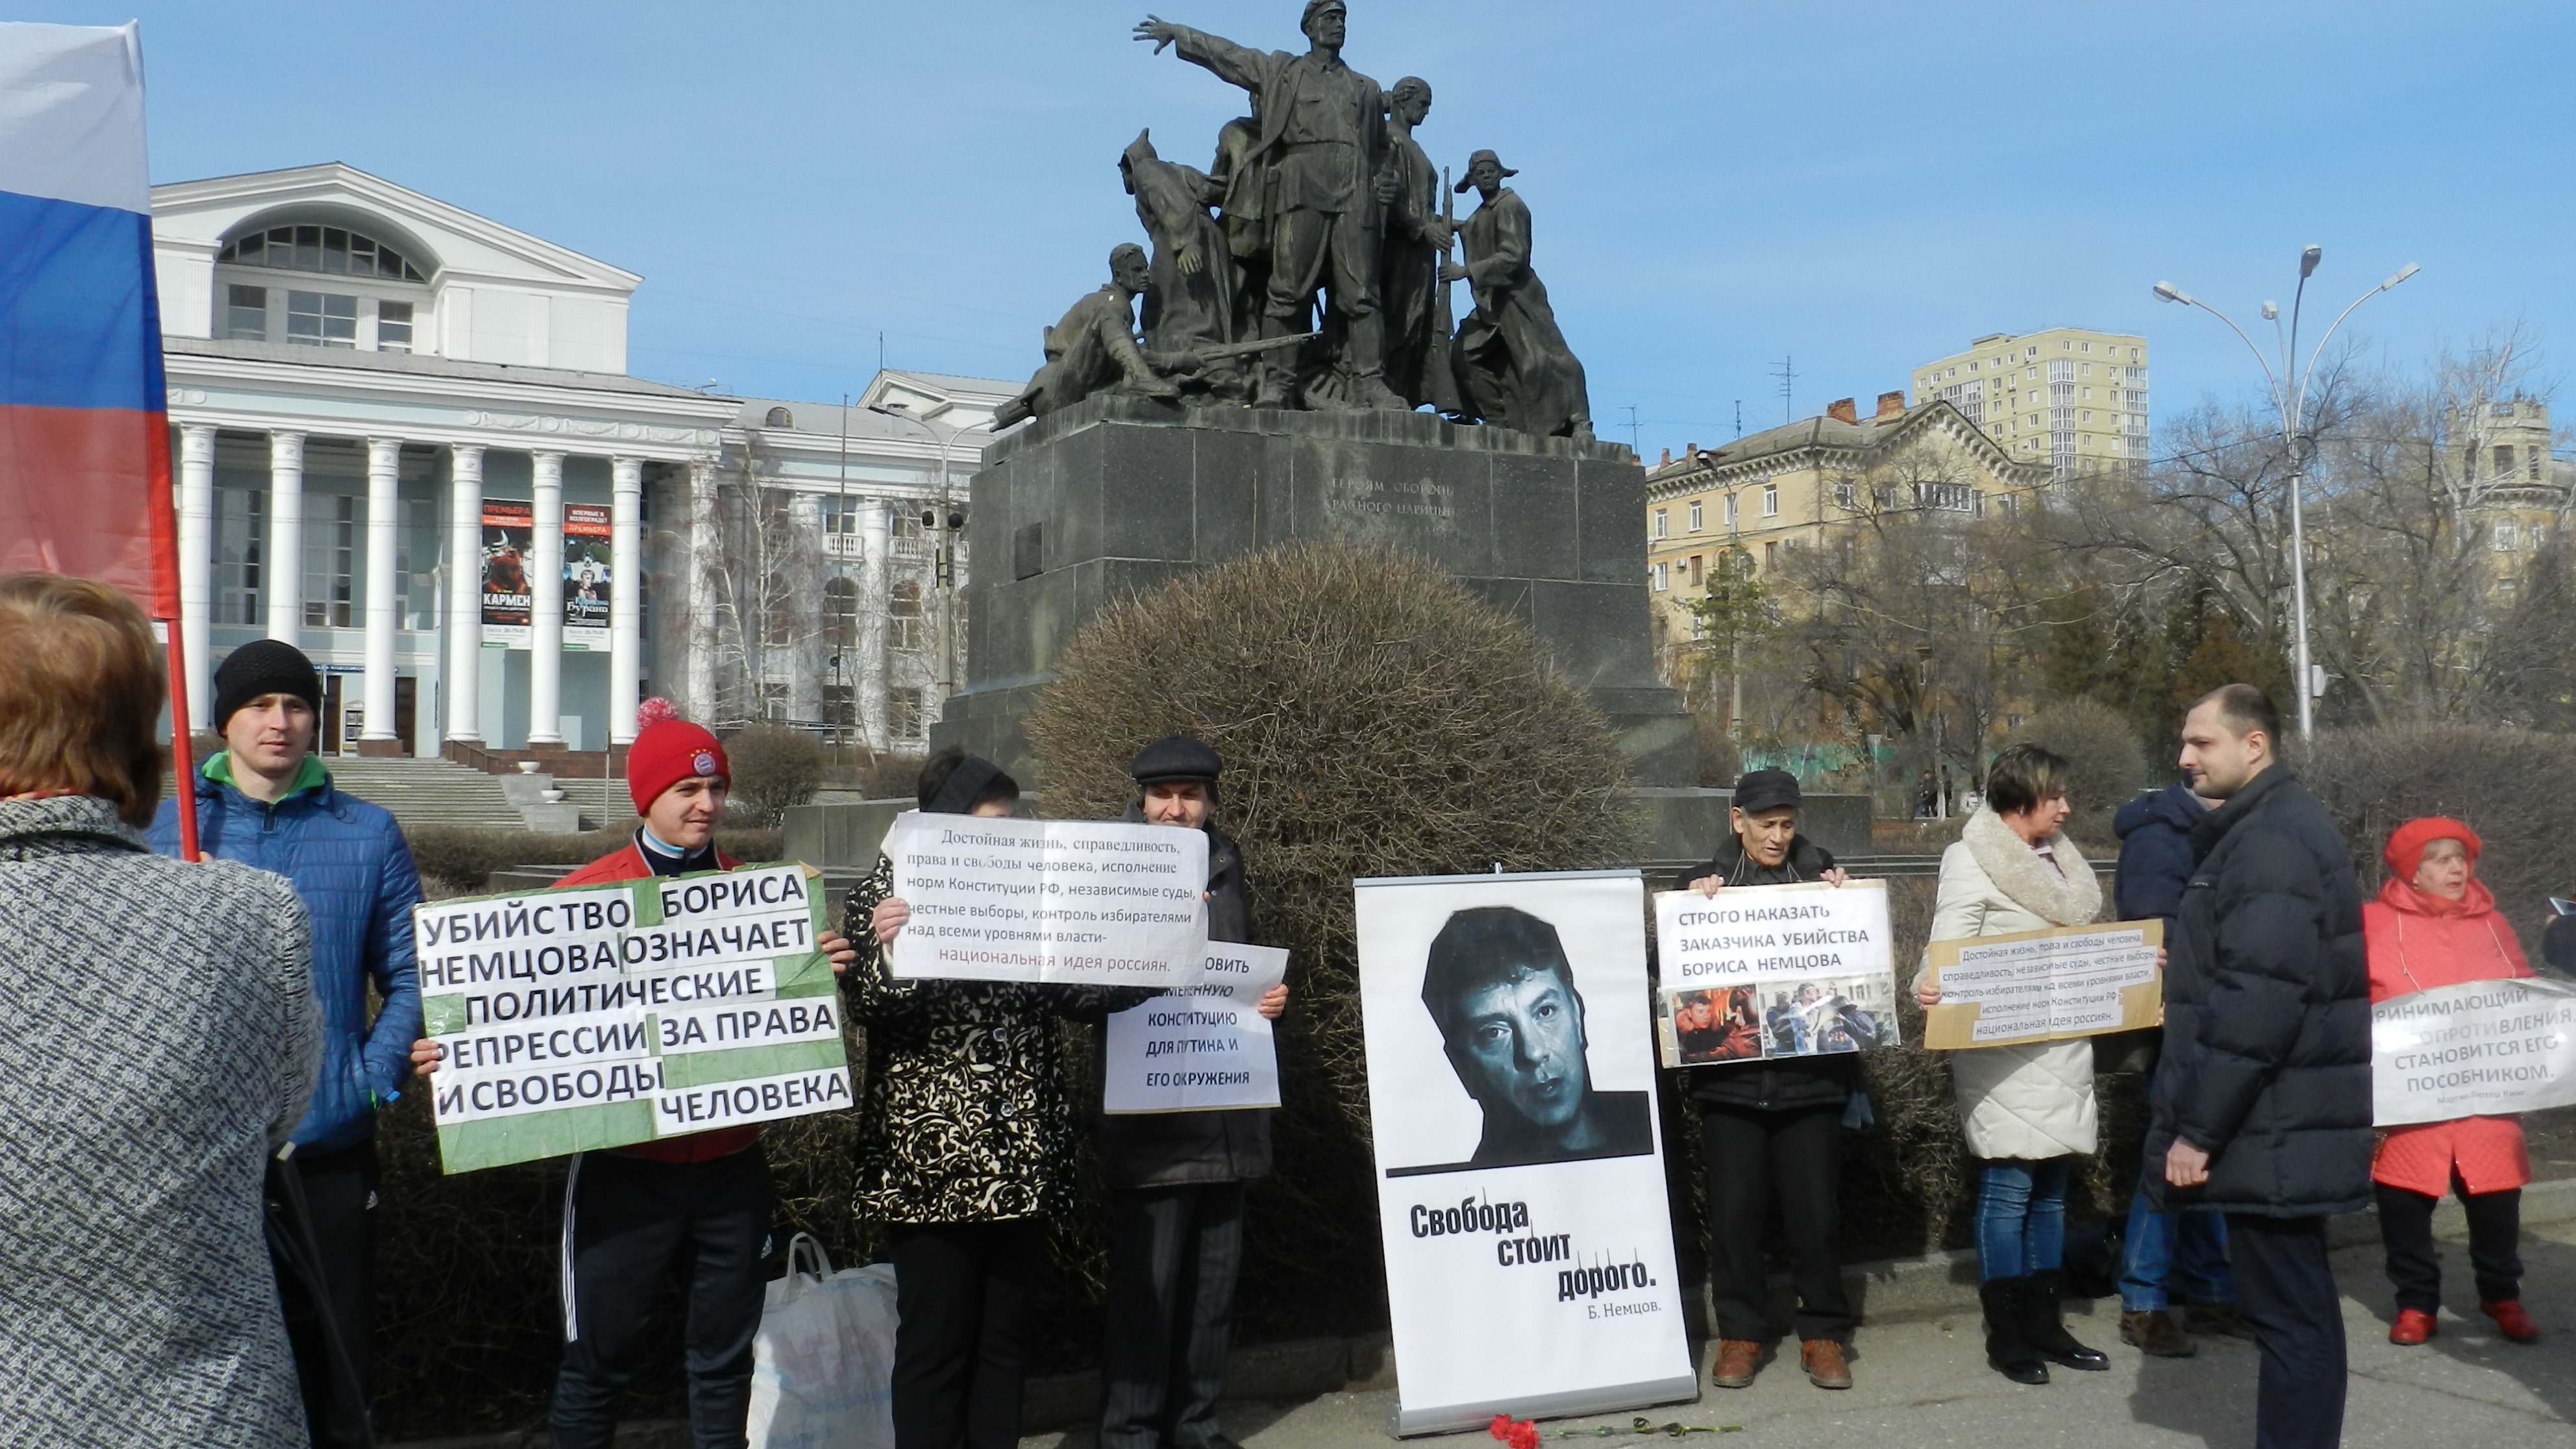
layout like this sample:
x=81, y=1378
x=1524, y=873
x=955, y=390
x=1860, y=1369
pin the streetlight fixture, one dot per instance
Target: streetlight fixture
x=2290, y=401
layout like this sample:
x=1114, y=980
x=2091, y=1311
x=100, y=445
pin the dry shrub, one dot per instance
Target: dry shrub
x=2510, y=786
x=774, y=768
x=1376, y=719
x=2103, y=755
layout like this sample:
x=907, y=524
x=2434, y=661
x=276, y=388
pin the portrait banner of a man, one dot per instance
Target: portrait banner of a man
x=1511, y=1059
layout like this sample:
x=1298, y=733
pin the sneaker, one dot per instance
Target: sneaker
x=2412, y=1327
x=1738, y=1360
x=2510, y=1318
x=2158, y=1333
x=1823, y=1360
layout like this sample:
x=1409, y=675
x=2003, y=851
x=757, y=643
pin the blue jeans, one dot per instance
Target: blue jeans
x=2021, y=1217
x=2185, y=1253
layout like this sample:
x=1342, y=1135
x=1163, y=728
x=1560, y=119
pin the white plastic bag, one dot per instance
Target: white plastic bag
x=823, y=1362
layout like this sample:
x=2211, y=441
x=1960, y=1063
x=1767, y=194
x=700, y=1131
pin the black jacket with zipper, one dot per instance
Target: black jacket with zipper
x=1788, y=1084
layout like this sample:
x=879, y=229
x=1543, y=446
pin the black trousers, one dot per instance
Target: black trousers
x=961, y=1295
x=1754, y=1157
x=338, y=1192
x=2415, y=1266
x=628, y=1221
x=1174, y=1256
x=2286, y=1289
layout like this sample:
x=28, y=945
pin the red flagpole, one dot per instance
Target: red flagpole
x=182, y=768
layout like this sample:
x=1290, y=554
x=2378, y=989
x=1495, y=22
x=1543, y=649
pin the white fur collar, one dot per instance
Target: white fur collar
x=2072, y=899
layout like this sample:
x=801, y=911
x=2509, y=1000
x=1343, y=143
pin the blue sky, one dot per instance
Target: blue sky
x=1862, y=186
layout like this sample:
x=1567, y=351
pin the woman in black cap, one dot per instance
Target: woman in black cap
x=966, y=1146
x=1773, y=1129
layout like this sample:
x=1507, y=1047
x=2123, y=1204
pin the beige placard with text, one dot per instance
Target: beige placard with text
x=2034, y=986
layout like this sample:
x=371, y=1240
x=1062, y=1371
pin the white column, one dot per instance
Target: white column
x=702, y=629
x=465, y=595
x=545, y=605
x=384, y=537
x=197, y=565
x=876, y=597
x=808, y=671
x=283, y=574
x=625, y=594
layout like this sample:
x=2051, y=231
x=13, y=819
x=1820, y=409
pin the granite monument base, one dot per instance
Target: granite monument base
x=1118, y=496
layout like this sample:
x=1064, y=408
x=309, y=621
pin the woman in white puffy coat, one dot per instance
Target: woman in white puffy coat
x=2028, y=1110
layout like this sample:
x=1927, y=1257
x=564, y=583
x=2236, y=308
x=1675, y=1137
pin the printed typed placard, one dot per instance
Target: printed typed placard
x=1199, y=1047
x=2478, y=1049
x=1759, y=972
x=2045, y=985
x=1094, y=903
x=572, y=1020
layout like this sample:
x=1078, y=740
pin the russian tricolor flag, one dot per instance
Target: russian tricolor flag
x=84, y=436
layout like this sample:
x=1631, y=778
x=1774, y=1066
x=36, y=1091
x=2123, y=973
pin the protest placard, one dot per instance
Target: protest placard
x=1083, y=902
x=2033, y=986
x=1758, y=972
x=608, y=1015
x=1201, y=1046
x=2477, y=1049
x=1530, y=1265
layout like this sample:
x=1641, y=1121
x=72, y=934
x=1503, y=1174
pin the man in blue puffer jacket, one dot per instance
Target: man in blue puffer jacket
x=265, y=801
x=2168, y=1255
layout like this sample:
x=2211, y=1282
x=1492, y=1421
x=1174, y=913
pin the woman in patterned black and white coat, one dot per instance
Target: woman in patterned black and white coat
x=966, y=1147
x=161, y=1039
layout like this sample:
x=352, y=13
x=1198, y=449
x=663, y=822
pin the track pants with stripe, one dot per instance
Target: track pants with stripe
x=628, y=1221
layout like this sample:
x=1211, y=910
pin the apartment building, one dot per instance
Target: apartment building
x=2070, y=398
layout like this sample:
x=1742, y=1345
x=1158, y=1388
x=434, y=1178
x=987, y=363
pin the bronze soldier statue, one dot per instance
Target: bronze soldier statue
x=1513, y=364
x=1417, y=241
x=1189, y=292
x=1094, y=349
x=1322, y=146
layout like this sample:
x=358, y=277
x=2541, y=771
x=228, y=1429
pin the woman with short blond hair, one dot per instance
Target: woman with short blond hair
x=162, y=1039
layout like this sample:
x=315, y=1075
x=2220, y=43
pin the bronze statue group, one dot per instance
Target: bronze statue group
x=1309, y=267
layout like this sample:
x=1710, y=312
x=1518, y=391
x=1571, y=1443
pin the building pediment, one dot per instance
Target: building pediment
x=450, y=242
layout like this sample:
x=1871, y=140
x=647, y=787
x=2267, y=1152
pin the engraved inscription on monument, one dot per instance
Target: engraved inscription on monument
x=1364, y=498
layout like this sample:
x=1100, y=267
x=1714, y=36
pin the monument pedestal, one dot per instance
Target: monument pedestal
x=1118, y=496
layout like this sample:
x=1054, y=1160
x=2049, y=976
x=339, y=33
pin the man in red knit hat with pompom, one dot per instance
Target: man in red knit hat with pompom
x=631, y=1213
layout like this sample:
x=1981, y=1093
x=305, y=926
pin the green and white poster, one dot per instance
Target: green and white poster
x=602, y=1016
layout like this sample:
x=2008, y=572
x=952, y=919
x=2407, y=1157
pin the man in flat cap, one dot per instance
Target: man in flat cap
x=1322, y=145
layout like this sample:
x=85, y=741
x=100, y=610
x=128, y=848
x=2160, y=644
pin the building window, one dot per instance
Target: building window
x=1954, y=497
x=1770, y=556
x=241, y=546
x=246, y=314
x=393, y=326
x=1770, y=500
x=2506, y=536
x=416, y=562
x=330, y=557
x=1662, y=574
x=2504, y=461
x=841, y=608
x=1663, y=523
x=321, y=319
x=1845, y=496
x=903, y=617
x=1695, y=519
x=904, y=711
x=1730, y=510
x=1695, y=577
x=320, y=249
x=779, y=418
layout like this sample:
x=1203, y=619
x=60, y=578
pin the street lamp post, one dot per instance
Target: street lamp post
x=2290, y=401
x=943, y=557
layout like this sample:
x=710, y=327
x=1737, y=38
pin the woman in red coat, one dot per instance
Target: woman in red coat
x=2435, y=925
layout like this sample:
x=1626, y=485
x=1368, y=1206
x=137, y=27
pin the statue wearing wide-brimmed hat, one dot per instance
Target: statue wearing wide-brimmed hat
x=1513, y=363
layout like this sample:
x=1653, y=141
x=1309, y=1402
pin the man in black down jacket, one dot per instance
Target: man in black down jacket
x=2261, y=1106
x=1773, y=1129
x=1176, y=1180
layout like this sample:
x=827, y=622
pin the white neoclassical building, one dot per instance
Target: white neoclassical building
x=406, y=441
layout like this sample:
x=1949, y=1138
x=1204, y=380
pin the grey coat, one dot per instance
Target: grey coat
x=159, y=1037
x=1175, y=1149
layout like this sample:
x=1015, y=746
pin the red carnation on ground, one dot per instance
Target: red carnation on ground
x=1518, y=1433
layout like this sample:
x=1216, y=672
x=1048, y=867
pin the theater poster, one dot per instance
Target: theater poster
x=506, y=529
x=1529, y=1250
x=586, y=576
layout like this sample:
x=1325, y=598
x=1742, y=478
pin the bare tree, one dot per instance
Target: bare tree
x=766, y=619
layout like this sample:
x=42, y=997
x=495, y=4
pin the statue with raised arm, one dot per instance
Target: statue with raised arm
x=1513, y=364
x=1094, y=349
x=1417, y=241
x=1322, y=149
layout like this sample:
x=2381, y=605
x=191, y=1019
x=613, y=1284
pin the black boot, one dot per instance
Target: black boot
x=2044, y=1327
x=2007, y=1352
